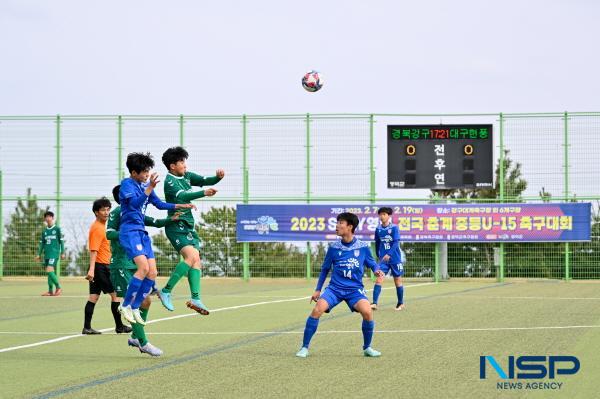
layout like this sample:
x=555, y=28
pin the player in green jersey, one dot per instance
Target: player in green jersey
x=122, y=269
x=52, y=247
x=182, y=235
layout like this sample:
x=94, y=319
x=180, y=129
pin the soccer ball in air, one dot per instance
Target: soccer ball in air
x=312, y=81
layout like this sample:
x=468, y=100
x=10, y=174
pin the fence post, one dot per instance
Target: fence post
x=566, y=193
x=1, y=231
x=500, y=277
x=308, y=146
x=58, y=167
x=372, y=193
x=120, y=149
x=246, y=245
x=181, y=122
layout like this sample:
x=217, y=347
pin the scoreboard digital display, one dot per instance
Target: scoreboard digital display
x=440, y=156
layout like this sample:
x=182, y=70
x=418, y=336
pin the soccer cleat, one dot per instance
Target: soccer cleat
x=57, y=292
x=123, y=329
x=48, y=293
x=303, y=352
x=374, y=306
x=198, y=306
x=90, y=331
x=138, y=317
x=127, y=313
x=150, y=349
x=165, y=299
x=133, y=342
x=370, y=352
x=400, y=306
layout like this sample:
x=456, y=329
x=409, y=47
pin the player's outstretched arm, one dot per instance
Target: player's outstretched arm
x=200, y=181
x=189, y=196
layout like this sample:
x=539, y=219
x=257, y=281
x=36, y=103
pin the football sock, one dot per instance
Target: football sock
x=89, y=312
x=400, y=293
x=138, y=329
x=376, y=293
x=132, y=289
x=181, y=269
x=367, y=329
x=145, y=289
x=50, y=283
x=114, y=308
x=194, y=280
x=309, y=330
x=54, y=279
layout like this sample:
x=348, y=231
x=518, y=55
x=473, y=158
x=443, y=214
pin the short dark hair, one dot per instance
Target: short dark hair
x=173, y=155
x=100, y=203
x=139, y=162
x=48, y=213
x=116, y=190
x=385, y=209
x=349, y=218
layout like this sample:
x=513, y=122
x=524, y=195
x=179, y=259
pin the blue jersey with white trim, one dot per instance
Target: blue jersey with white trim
x=347, y=262
x=133, y=205
x=387, y=242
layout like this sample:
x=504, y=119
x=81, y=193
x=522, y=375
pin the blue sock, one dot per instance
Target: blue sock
x=309, y=330
x=132, y=289
x=400, y=293
x=145, y=289
x=367, y=329
x=376, y=293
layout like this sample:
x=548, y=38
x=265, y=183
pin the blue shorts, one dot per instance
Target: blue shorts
x=136, y=243
x=396, y=269
x=334, y=296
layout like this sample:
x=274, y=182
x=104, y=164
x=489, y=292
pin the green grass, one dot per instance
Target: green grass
x=430, y=350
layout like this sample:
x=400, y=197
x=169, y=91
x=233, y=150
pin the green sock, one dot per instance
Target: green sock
x=50, y=283
x=194, y=280
x=137, y=330
x=181, y=269
x=54, y=277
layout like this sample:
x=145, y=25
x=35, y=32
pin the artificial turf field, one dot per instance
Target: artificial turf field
x=246, y=347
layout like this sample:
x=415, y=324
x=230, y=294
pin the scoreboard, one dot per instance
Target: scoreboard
x=440, y=156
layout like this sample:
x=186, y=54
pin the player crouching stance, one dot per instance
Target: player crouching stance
x=347, y=258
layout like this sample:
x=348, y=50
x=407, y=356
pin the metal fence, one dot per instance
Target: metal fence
x=65, y=162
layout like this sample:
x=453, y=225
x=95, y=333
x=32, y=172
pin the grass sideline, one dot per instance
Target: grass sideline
x=246, y=347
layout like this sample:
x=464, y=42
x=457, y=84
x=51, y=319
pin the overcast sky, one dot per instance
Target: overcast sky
x=226, y=57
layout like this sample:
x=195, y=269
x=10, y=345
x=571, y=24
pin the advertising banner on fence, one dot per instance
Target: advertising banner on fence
x=421, y=223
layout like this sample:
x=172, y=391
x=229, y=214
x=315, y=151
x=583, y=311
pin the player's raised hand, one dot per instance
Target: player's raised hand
x=209, y=192
x=315, y=297
x=154, y=180
x=220, y=173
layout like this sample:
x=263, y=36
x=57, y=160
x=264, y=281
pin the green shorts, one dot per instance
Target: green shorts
x=52, y=262
x=181, y=236
x=120, y=278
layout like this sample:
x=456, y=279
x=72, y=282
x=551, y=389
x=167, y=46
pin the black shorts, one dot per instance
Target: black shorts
x=101, y=280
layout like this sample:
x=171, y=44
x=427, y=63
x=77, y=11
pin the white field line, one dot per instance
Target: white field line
x=343, y=331
x=248, y=305
x=529, y=297
x=183, y=296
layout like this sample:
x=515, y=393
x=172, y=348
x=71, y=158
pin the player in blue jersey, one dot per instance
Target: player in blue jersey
x=135, y=194
x=391, y=257
x=346, y=259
